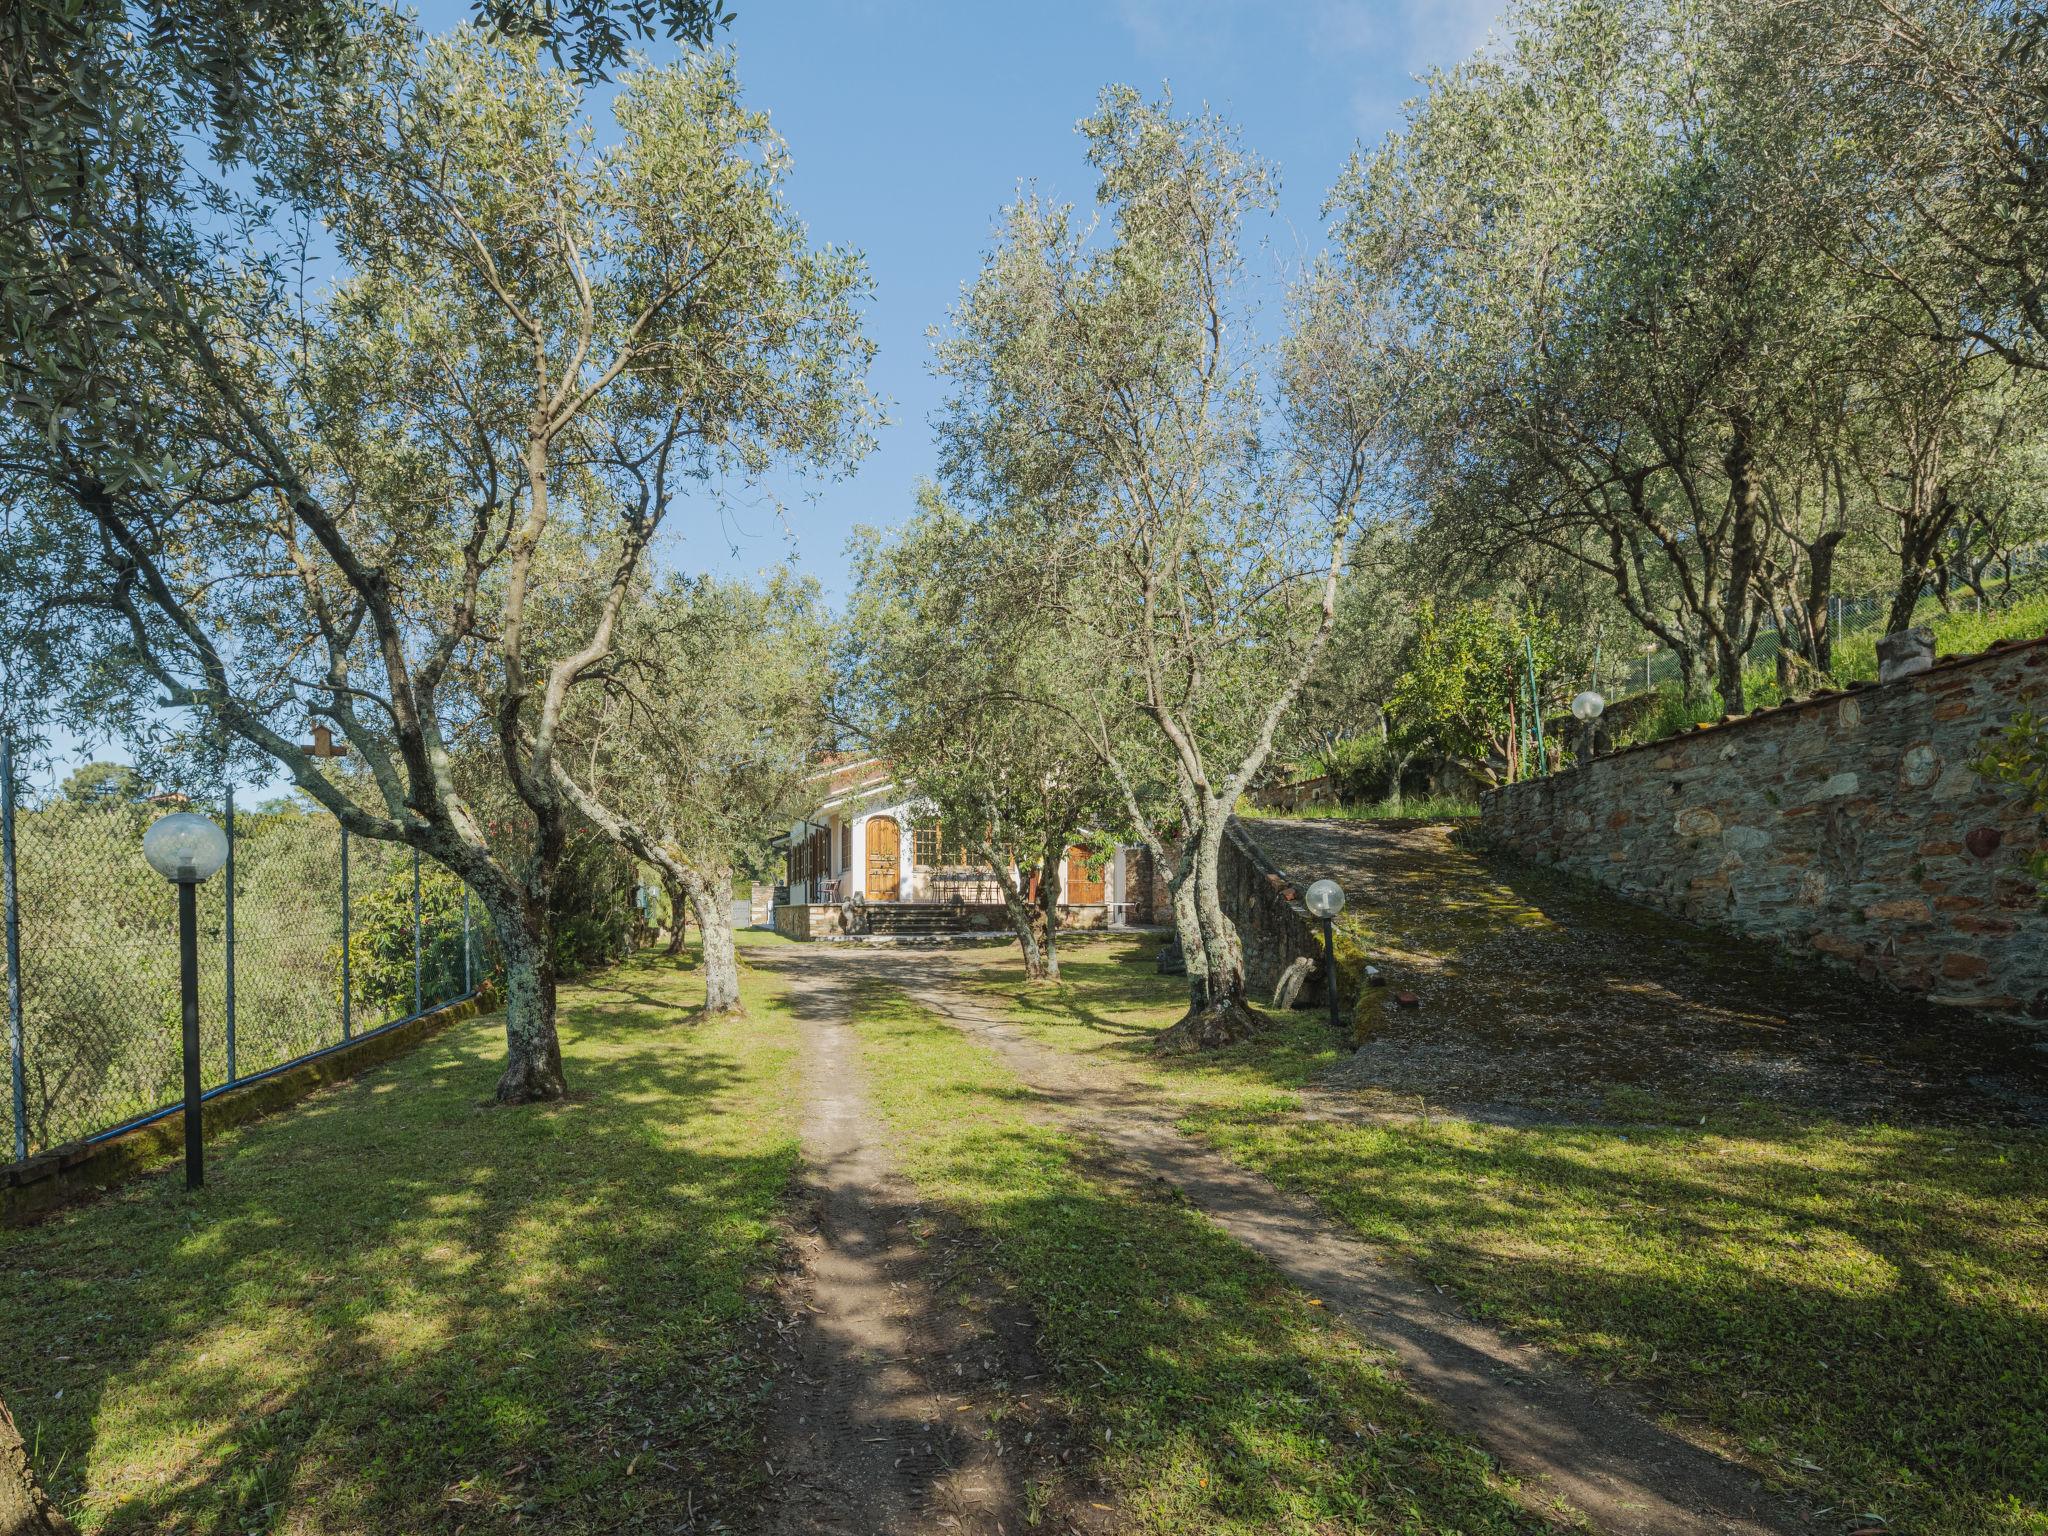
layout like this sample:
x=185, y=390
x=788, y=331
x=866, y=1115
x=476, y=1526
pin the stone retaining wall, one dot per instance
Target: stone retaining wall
x=1273, y=927
x=1848, y=826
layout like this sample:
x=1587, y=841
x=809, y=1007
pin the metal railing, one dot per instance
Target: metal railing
x=308, y=939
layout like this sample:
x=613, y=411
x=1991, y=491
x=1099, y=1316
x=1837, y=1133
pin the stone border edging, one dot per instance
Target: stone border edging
x=41, y=1184
x=1280, y=893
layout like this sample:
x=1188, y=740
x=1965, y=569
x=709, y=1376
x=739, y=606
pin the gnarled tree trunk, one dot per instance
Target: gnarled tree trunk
x=1187, y=929
x=1222, y=1015
x=678, y=913
x=1024, y=920
x=1049, y=907
x=533, y=1051
x=24, y=1509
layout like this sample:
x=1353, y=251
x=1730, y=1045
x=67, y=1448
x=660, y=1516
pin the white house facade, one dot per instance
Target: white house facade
x=871, y=855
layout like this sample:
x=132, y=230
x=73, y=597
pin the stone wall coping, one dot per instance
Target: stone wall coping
x=2000, y=651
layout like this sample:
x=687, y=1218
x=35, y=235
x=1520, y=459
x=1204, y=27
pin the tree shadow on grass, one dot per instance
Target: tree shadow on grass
x=1860, y=1312
x=395, y=1309
x=1209, y=1394
x=1860, y=1298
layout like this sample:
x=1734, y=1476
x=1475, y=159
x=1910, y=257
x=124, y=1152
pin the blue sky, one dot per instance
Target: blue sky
x=911, y=124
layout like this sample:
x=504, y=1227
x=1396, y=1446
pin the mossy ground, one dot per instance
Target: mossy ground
x=397, y=1308
x=1858, y=1307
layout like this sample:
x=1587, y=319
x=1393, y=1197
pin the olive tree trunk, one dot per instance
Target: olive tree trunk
x=24, y=1509
x=1218, y=1012
x=1024, y=920
x=678, y=914
x=1049, y=907
x=711, y=895
x=1187, y=930
x=533, y=1050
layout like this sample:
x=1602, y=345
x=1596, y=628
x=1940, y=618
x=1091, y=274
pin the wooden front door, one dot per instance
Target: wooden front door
x=1083, y=889
x=885, y=872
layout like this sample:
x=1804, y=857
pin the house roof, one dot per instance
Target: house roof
x=848, y=777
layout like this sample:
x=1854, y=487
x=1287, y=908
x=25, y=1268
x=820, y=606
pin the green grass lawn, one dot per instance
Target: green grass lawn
x=396, y=1308
x=1860, y=1309
x=1211, y=1394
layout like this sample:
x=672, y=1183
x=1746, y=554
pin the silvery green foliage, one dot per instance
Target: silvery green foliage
x=417, y=499
x=1188, y=493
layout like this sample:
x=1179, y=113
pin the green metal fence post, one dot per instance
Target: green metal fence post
x=16, y=1045
x=229, y=818
x=416, y=931
x=346, y=1018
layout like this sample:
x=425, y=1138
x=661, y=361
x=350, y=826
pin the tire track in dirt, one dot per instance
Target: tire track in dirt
x=1569, y=1441
x=883, y=1423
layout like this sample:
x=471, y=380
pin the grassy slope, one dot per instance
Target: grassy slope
x=394, y=1308
x=1863, y=1309
x=1214, y=1396
x=1955, y=634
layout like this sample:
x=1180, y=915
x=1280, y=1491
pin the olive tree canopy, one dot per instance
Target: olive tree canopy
x=415, y=502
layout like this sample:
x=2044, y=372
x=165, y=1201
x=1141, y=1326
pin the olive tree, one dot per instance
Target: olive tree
x=418, y=504
x=1203, y=487
x=698, y=742
x=1940, y=163
x=958, y=666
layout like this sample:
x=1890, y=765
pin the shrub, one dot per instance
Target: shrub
x=1361, y=770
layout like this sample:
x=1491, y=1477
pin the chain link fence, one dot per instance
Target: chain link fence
x=1847, y=616
x=308, y=938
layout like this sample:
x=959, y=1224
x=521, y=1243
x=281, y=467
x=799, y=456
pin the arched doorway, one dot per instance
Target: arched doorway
x=885, y=870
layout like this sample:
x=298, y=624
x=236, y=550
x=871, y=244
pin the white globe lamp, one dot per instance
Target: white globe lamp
x=1324, y=900
x=185, y=847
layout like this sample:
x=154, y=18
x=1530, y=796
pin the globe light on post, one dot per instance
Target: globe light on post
x=1324, y=900
x=187, y=849
x=1587, y=708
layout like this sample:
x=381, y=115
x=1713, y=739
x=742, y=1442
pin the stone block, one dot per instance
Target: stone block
x=1904, y=653
x=1696, y=821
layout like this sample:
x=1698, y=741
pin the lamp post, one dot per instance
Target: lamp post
x=1587, y=708
x=186, y=849
x=1325, y=899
